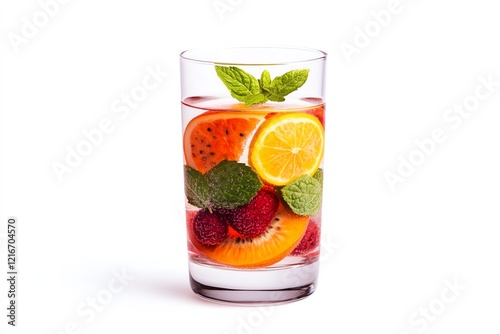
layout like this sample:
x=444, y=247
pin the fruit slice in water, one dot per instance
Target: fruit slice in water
x=287, y=146
x=281, y=237
x=217, y=135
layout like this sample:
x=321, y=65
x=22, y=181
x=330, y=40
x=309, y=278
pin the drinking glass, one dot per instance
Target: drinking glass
x=253, y=134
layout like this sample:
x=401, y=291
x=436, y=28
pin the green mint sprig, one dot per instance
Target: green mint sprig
x=246, y=88
x=226, y=186
x=304, y=195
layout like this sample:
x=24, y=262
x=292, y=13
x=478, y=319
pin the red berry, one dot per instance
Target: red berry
x=209, y=229
x=309, y=241
x=253, y=218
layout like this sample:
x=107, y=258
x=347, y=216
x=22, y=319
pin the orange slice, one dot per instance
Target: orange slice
x=287, y=146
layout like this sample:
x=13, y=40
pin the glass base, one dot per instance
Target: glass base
x=253, y=287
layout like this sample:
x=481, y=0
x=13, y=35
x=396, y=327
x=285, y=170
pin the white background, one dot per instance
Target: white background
x=388, y=253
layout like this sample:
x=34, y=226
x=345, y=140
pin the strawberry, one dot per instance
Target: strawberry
x=252, y=219
x=310, y=240
x=209, y=228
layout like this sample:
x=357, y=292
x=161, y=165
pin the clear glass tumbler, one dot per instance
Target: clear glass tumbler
x=253, y=134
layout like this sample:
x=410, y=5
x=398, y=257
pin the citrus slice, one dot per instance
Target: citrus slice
x=281, y=237
x=218, y=135
x=287, y=146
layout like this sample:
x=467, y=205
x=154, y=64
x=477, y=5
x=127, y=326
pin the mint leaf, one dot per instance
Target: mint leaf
x=196, y=188
x=246, y=88
x=265, y=84
x=275, y=98
x=242, y=85
x=255, y=99
x=265, y=81
x=304, y=195
x=289, y=82
x=226, y=186
x=319, y=176
x=232, y=184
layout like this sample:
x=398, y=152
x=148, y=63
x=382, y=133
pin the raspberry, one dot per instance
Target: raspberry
x=309, y=241
x=209, y=229
x=253, y=218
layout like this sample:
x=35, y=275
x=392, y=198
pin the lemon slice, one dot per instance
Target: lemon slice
x=287, y=146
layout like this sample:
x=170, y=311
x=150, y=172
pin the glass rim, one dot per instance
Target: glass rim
x=210, y=52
